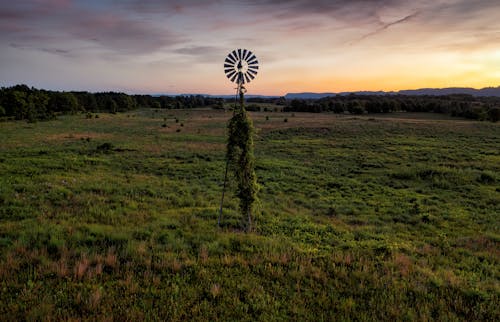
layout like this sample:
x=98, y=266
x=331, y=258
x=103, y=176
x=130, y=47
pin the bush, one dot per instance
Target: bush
x=105, y=147
x=253, y=108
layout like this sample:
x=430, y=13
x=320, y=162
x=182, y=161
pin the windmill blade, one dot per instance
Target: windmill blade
x=239, y=54
x=253, y=71
x=234, y=77
x=252, y=59
x=247, y=79
x=228, y=70
x=243, y=55
x=229, y=60
x=230, y=74
x=248, y=55
x=251, y=76
x=255, y=62
x=228, y=65
x=235, y=56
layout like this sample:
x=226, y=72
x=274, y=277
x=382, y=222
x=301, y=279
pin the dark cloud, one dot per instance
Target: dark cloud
x=342, y=10
x=50, y=50
x=121, y=34
x=36, y=24
x=168, y=8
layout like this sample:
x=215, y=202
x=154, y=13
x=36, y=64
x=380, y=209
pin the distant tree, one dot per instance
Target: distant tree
x=298, y=105
x=494, y=114
x=338, y=107
x=253, y=108
x=123, y=102
x=16, y=104
x=111, y=105
x=64, y=102
x=374, y=106
x=280, y=101
x=37, y=106
x=355, y=107
x=86, y=101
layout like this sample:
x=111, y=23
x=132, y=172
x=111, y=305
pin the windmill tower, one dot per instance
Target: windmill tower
x=241, y=67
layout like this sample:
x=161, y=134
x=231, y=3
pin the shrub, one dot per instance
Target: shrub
x=105, y=147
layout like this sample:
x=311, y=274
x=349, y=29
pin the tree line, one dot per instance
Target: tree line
x=21, y=102
x=462, y=105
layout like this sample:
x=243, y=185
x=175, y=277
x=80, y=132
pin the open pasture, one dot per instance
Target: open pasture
x=360, y=218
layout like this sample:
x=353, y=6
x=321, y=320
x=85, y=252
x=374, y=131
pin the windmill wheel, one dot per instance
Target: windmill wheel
x=241, y=66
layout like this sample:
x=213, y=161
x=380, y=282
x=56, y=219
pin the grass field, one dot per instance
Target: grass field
x=360, y=218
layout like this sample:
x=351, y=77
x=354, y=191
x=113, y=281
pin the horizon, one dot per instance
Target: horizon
x=255, y=94
x=178, y=47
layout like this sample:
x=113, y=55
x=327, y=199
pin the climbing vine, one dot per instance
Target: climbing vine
x=242, y=162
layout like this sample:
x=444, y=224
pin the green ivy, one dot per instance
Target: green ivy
x=242, y=162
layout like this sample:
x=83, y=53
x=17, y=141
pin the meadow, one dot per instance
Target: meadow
x=114, y=217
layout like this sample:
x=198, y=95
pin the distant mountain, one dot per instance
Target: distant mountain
x=291, y=96
x=487, y=91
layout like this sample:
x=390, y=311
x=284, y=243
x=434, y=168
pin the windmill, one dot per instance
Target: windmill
x=241, y=67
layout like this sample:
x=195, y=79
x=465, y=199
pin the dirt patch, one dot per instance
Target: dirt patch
x=204, y=146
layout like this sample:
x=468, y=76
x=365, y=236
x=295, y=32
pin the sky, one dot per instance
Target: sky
x=176, y=47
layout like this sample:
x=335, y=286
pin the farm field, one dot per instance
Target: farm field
x=359, y=218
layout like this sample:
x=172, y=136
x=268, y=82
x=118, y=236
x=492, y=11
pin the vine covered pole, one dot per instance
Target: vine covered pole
x=240, y=157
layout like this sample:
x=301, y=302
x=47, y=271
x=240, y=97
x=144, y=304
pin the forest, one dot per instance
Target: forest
x=21, y=102
x=461, y=105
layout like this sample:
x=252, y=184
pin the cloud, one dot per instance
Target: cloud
x=168, y=8
x=40, y=24
x=198, y=50
x=121, y=34
x=50, y=50
x=201, y=53
x=341, y=10
x=388, y=25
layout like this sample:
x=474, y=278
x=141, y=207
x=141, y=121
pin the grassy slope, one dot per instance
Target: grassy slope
x=359, y=218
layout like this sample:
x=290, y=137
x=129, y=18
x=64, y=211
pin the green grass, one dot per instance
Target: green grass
x=359, y=218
